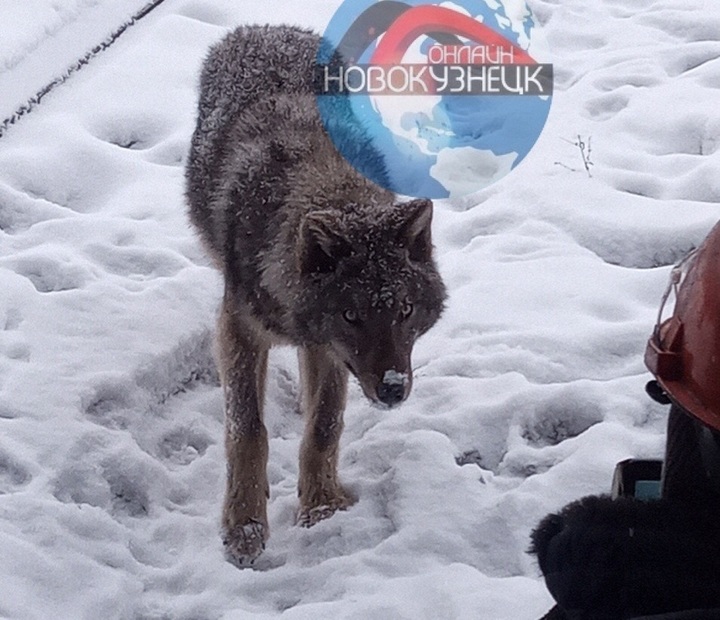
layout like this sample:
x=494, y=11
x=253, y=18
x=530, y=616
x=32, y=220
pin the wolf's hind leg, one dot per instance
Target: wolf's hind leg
x=243, y=361
x=324, y=389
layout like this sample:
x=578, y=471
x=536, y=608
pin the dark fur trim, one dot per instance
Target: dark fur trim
x=693, y=614
x=623, y=558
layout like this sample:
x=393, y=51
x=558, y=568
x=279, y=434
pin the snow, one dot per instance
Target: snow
x=526, y=393
x=462, y=169
x=393, y=377
x=41, y=39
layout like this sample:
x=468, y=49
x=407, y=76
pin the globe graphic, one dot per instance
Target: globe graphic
x=436, y=146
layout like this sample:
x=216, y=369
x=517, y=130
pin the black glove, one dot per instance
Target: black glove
x=607, y=559
x=695, y=614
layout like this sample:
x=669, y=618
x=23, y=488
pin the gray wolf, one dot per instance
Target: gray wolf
x=313, y=254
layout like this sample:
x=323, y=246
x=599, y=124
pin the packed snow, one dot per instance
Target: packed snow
x=526, y=393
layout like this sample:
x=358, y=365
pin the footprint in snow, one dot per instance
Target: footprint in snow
x=110, y=406
x=606, y=106
x=137, y=262
x=557, y=421
x=183, y=445
x=13, y=475
x=134, y=132
x=50, y=273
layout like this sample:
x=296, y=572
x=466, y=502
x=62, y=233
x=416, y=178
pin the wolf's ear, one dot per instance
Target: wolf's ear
x=415, y=230
x=320, y=247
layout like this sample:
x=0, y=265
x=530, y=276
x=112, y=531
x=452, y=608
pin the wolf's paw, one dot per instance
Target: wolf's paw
x=244, y=543
x=310, y=515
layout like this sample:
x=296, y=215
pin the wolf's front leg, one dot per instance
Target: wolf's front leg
x=324, y=388
x=243, y=362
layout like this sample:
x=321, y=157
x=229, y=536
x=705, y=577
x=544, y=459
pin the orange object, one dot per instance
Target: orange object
x=684, y=351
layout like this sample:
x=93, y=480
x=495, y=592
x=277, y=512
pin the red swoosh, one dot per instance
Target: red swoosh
x=423, y=19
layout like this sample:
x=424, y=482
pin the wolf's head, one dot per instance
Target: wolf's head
x=369, y=289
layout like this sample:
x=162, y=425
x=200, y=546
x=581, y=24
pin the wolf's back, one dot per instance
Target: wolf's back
x=262, y=156
x=253, y=64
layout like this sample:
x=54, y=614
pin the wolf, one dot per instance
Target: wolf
x=313, y=254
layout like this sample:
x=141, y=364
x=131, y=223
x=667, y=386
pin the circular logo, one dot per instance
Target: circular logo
x=433, y=99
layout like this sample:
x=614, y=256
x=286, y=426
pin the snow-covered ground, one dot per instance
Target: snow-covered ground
x=527, y=392
x=41, y=39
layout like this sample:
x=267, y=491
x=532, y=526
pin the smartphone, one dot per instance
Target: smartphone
x=638, y=478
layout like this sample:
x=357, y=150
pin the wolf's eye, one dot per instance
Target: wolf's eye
x=351, y=316
x=406, y=310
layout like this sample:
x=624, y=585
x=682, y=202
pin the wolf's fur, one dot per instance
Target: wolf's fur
x=313, y=254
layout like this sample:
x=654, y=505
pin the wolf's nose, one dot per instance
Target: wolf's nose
x=391, y=393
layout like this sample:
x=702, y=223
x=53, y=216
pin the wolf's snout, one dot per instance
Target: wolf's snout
x=391, y=393
x=394, y=388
